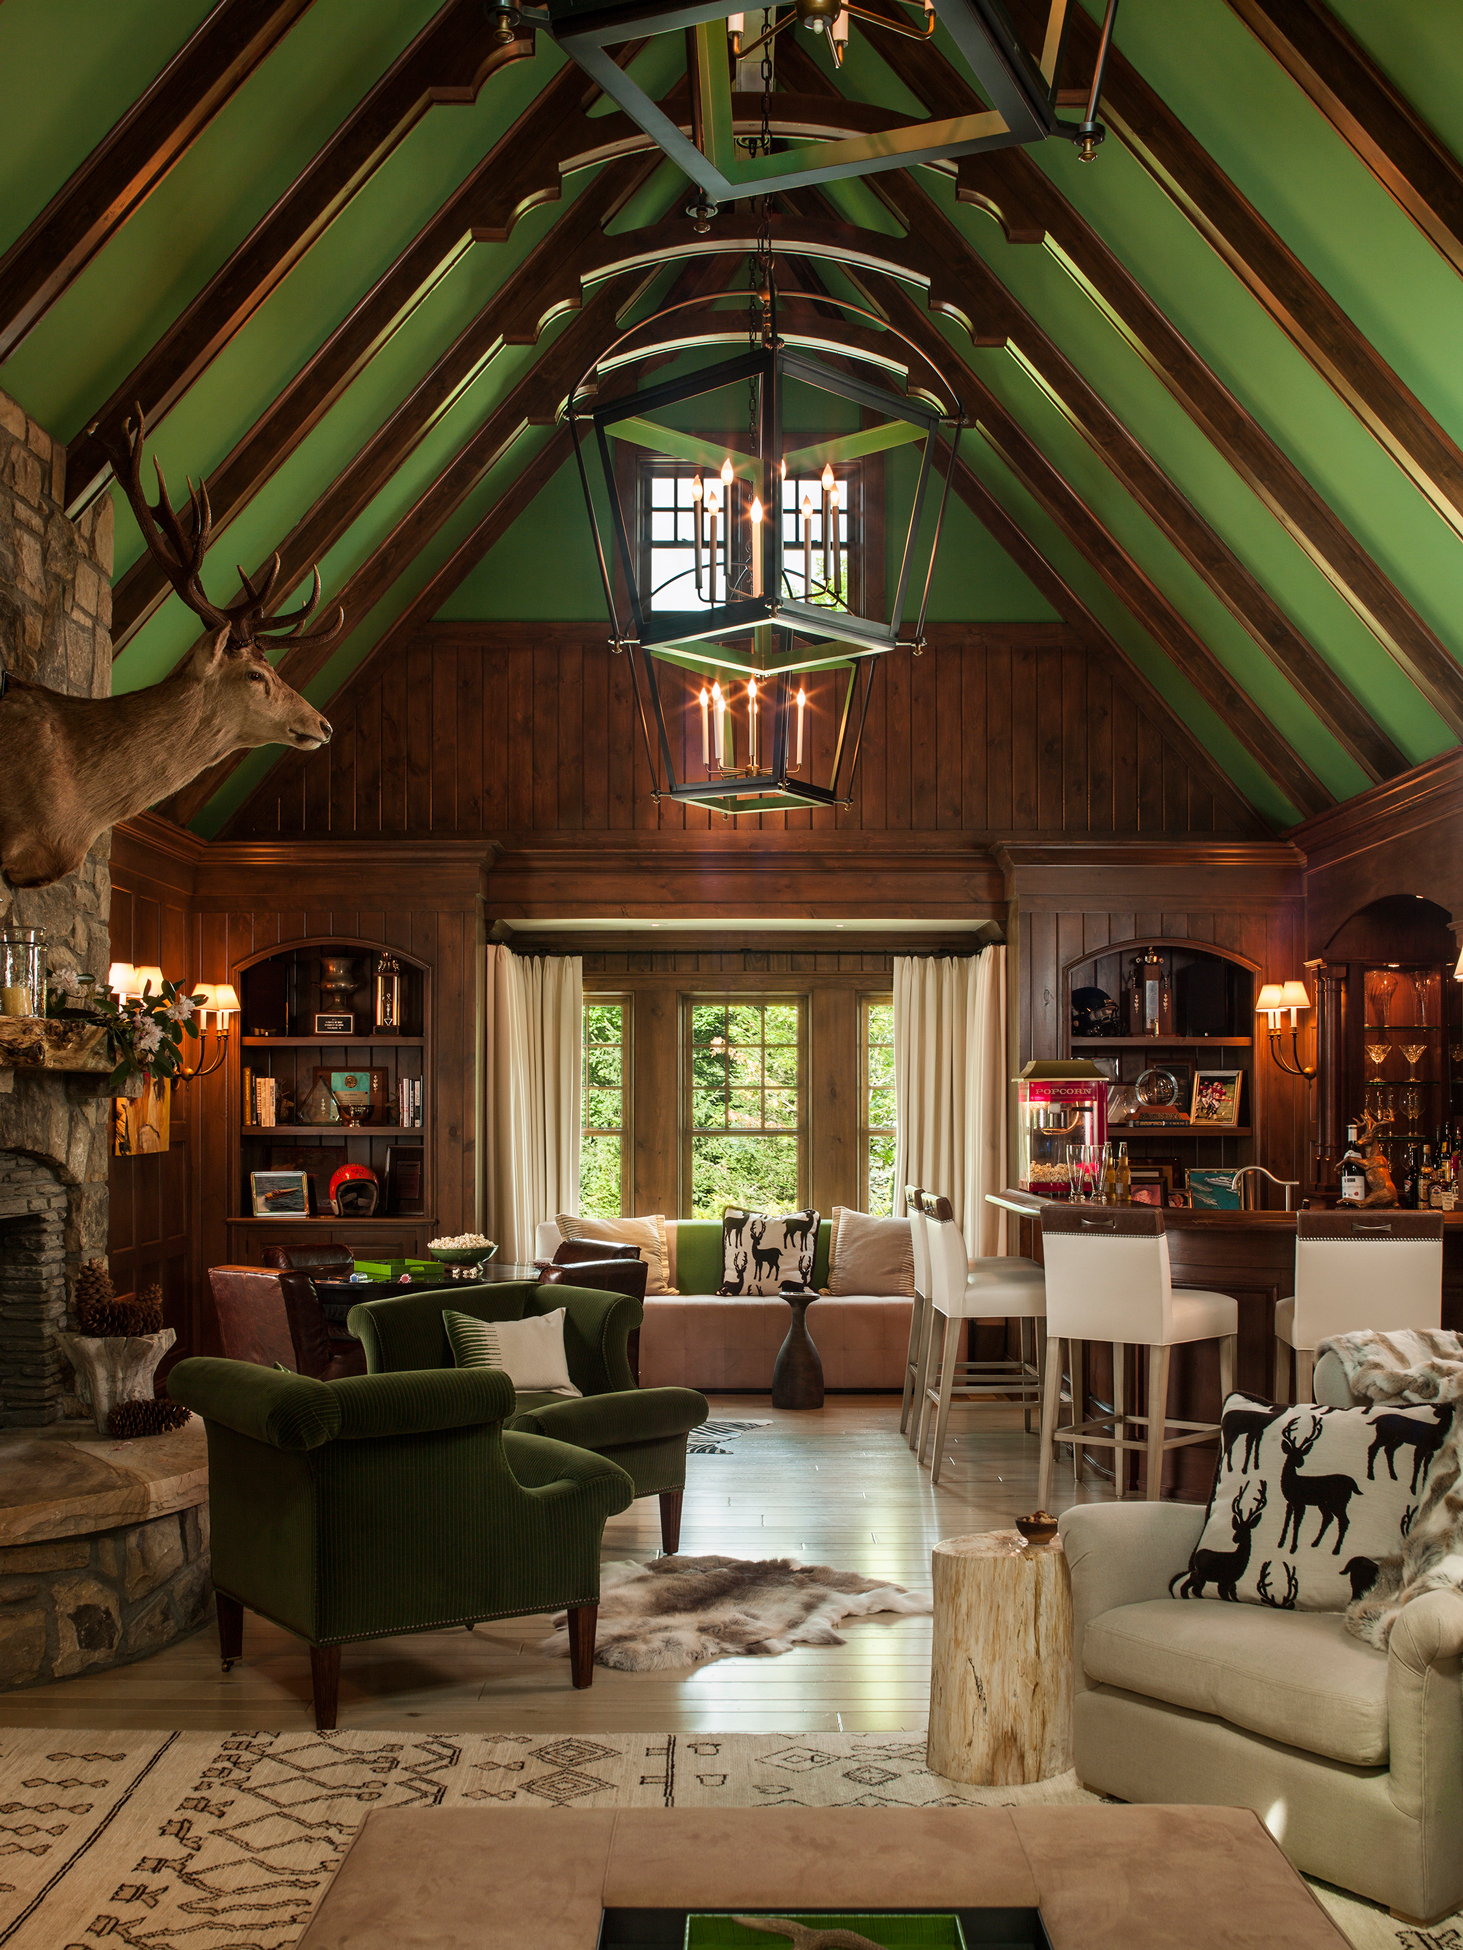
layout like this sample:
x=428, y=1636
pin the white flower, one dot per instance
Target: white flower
x=147, y=1036
x=66, y=980
x=181, y=1008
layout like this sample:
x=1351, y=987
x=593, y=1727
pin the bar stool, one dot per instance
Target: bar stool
x=1108, y=1279
x=1374, y=1269
x=909, y=1418
x=1009, y=1288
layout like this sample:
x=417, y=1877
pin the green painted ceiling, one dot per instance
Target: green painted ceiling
x=73, y=70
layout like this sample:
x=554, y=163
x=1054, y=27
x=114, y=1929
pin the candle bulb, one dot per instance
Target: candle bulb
x=837, y=544
x=756, y=546
x=807, y=549
x=698, y=492
x=752, y=721
x=827, y=484
x=720, y=702
x=712, y=508
x=802, y=706
x=726, y=475
x=705, y=727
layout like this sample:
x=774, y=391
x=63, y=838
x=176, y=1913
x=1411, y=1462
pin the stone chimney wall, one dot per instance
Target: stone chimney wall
x=55, y=629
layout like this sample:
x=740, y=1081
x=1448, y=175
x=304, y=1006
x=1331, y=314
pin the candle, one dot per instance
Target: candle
x=756, y=546
x=802, y=706
x=726, y=476
x=734, y=27
x=807, y=549
x=837, y=543
x=15, y=1000
x=720, y=702
x=705, y=726
x=751, y=721
x=827, y=483
x=712, y=508
x=697, y=501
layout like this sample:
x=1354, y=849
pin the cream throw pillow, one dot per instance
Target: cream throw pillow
x=869, y=1255
x=647, y=1234
x=529, y=1351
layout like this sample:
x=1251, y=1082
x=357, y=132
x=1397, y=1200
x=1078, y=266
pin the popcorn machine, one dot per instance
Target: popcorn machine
x=1060, y=1106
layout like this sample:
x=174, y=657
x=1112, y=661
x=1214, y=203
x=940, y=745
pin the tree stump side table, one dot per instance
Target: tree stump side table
x=797, y=1373
x=1001, y=1665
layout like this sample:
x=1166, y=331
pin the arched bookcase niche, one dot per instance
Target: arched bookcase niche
x=283, y=992
x=1217, y=996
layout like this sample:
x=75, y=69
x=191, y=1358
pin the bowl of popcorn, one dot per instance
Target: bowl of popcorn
x=463, y=1249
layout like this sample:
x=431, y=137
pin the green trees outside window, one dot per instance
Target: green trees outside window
x=744, y=1122
x=604, y=1118
x=877, y=1098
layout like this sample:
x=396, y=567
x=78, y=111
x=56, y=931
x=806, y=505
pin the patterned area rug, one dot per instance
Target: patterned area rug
x=192, y=1841
x=712, y=1437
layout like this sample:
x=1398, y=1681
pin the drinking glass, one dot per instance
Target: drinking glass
x=1384, y=987
x=1414, y=1052
x=1376, y=1054
x=1411, y=1105
x=1421, y=989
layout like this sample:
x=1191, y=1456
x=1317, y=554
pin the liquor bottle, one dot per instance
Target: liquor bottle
x=1407, y=1190
x=1425, y=1179
x=1125, y=1176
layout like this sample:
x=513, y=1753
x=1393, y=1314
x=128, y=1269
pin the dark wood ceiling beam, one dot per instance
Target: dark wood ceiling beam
x=519, y=172
x=1144, y=601
x=1012, y=188
x=1367, y=112
x=134, y=156
x=1303, y=309
x=983, y=295
x=449, y=61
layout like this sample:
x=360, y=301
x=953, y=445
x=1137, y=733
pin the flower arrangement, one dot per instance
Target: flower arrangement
x=145, y=1032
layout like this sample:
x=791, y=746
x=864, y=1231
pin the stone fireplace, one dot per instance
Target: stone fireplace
x=32, y=1290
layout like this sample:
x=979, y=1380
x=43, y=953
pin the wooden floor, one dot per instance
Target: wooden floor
x=834, y=1486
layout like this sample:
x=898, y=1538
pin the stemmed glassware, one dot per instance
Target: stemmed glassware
x=1376, y=1054
x=1384, y=987
x=1414, y=1053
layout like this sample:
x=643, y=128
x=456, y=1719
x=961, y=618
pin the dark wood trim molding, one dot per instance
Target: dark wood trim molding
x=133, y=157
x=1148, y=876
x=449, y=61
x=1367, y=112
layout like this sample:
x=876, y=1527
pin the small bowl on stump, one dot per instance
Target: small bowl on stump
x=1039, y=1528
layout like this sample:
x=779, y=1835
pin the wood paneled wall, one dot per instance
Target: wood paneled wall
x=492, y=728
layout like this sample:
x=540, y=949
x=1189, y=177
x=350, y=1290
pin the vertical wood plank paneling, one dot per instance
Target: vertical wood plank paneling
x=925, y=744
x=419, y=659
x=469, y=734
x=446, y=748
x=368, y=810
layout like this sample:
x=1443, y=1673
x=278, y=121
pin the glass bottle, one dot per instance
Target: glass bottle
x=1109, y=1176
x=1125, y=1176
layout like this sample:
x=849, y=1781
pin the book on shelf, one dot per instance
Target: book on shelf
x=248, y=1096
x=409, y=1103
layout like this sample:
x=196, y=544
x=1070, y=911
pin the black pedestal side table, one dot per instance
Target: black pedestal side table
x=797, y=1374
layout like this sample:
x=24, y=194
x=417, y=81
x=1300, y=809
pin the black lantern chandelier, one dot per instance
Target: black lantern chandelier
x=760, y=535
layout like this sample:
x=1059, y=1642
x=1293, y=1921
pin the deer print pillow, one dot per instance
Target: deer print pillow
x=1307, y=1501
x=759, y=1250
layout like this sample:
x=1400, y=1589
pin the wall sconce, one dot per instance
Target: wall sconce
x=221, y=998
x=1272, y=1002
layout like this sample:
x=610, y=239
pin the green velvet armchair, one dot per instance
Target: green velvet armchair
x=643, y=1430
x=391, y=1503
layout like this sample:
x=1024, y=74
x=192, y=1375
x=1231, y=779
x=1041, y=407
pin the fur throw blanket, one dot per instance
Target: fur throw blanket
x=678, y=1611
x=1412, y=1365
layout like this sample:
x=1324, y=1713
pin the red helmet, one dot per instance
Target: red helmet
x=354, y=1191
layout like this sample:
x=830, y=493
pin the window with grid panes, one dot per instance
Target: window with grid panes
x=667, y=537
x=743, y=1124
x=876, y=1097
x=604, y=1178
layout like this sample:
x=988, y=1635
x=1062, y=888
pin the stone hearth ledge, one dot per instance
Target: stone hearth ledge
x=65, y=1480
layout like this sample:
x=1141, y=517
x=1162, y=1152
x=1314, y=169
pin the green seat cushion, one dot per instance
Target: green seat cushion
x=699, y=1255
x=602, y=1422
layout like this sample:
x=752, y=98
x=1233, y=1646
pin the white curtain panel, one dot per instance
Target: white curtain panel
x=531, y=1029
x=950, y=1085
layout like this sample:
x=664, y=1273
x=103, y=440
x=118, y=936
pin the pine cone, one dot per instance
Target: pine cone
x=104, y=1317
x=147, y=1311
x=93, y=1289
x=155, y=1417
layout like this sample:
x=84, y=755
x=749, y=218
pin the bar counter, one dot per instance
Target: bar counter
x=1250, y=1255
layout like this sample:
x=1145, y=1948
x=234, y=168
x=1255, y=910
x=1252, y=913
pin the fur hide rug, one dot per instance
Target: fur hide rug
x=1412, y=1366
x=680, y=1611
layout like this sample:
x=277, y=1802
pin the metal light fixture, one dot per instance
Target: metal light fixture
x=765, y=599
x=1272, y=1002
x=222, y=1000
x=1022, y=92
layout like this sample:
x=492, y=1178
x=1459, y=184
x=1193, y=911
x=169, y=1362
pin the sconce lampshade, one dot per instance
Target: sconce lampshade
x=1458, y=971
x=1270, y=1000
x=122, y=978
x=144, y=973
x=1294, y=996
x=225, y=999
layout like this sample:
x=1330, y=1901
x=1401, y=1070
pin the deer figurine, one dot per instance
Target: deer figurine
x=1224, y=1569
x=74, y=766
x=1330, y=1495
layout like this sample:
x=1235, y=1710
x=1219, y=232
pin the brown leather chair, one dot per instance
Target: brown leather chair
x=612, y=1269
x=273, y=1318
x=338, y=1262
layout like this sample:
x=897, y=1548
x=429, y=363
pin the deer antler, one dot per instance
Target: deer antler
x=179, y=552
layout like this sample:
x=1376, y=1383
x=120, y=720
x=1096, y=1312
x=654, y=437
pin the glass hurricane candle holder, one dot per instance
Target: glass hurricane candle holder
x=22, y=971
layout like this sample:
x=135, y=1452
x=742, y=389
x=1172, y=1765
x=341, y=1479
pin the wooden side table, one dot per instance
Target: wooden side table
x=1001, y=1665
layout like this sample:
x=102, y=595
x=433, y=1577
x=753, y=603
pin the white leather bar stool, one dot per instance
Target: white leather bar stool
x=1366, y=1269
x=1003, y=1288
x=919, y=1318
x=1108, y=1279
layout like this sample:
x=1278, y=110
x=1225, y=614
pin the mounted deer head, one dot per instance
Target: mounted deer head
x=74, y=766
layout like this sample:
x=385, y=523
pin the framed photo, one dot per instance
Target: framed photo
x=1214, y=1191
x=280, y=1194
x=406, y=1184
x=366, y=1092
x=1216, y=1097
x=332, y=1023
x=1147, y=1189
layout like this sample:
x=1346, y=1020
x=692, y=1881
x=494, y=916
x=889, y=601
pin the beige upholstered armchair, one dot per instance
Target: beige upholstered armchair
x=1353, y=1758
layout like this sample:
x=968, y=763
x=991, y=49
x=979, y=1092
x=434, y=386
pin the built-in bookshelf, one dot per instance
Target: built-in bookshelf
x=306, y=1098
